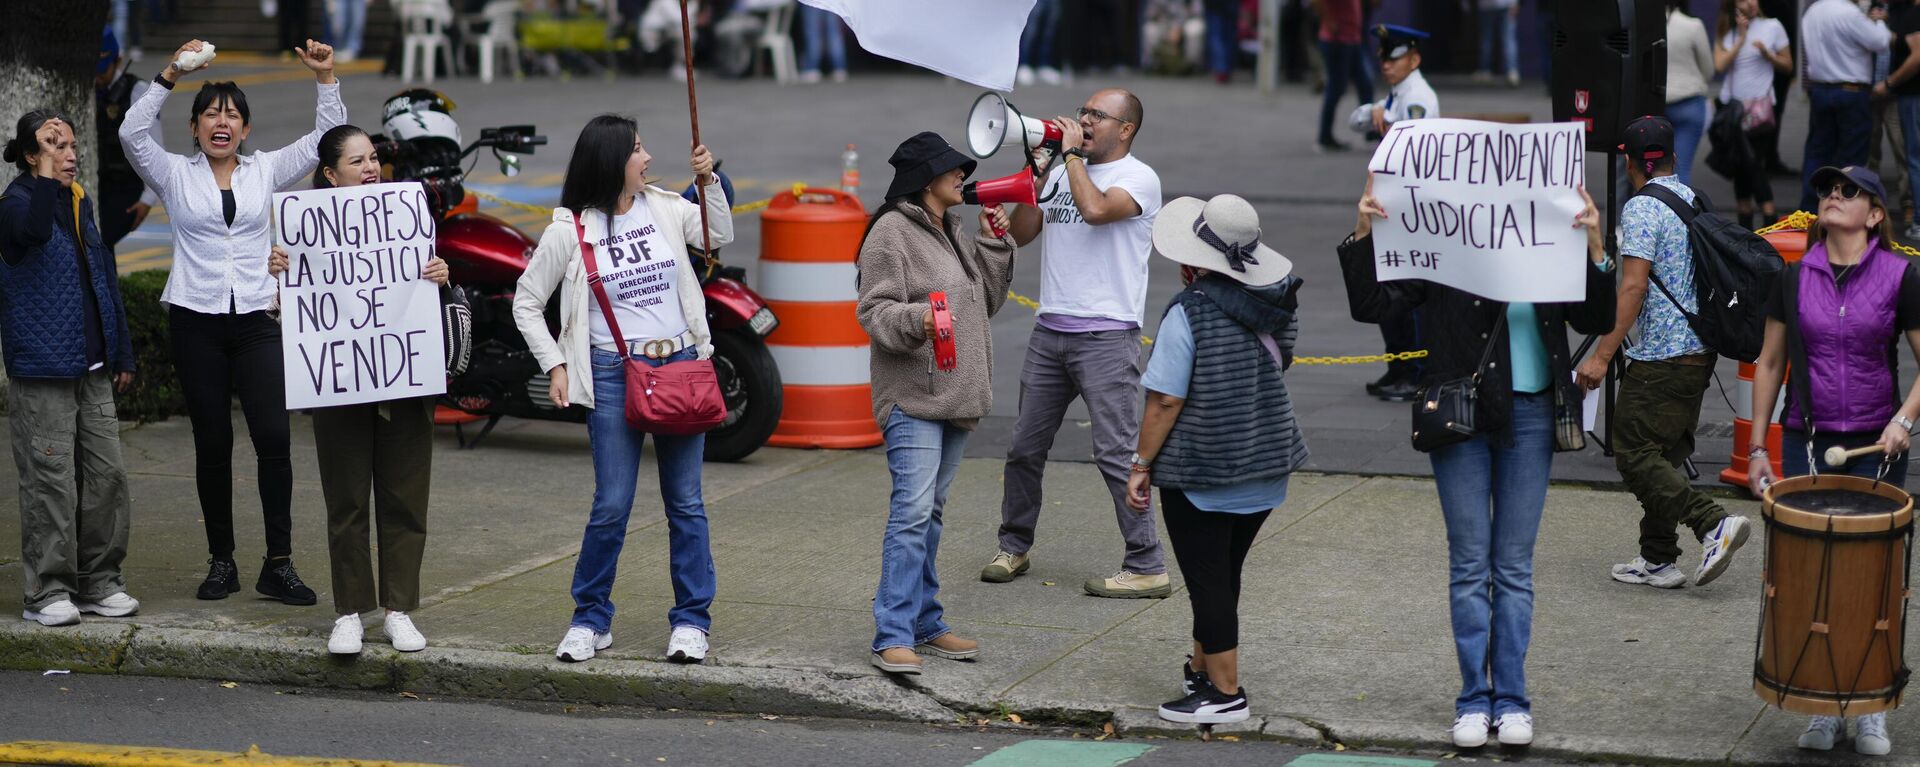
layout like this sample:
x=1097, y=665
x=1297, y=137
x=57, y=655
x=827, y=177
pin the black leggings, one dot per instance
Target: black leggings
x=1211, y=547
x=217, y=355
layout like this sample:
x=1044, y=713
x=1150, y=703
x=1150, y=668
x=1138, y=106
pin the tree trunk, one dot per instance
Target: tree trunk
x=48, y=50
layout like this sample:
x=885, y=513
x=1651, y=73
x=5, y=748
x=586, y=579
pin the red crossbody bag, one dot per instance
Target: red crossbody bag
x=678, y=398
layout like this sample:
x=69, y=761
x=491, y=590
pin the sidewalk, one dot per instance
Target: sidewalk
x=1344, y=629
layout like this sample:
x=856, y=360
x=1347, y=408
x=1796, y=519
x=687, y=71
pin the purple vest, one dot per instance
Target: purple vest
x=1848, y=333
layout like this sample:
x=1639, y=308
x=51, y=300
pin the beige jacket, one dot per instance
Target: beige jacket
x=905, y=258
x=558, y=263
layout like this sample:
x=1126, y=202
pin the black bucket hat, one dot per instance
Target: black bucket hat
x=921, y=159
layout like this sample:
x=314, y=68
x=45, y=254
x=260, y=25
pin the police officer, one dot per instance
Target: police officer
x=1409, y=97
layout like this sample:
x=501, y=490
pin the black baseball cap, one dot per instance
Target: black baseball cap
x=1647, y=138
x=1861, y=177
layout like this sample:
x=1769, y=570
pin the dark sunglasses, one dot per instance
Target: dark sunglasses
x=1846, y=190
x=1097, y=115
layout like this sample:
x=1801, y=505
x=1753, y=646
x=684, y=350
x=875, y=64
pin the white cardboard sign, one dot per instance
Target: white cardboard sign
x=358, y=321
x=1484, y=207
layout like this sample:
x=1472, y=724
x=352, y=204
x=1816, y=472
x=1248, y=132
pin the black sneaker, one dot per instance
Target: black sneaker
x=1207, y=706
x=280, y=581
x=1400, y=391
x=223, y=578
x=1374, y=388
x=1191, y=680
x=1325, y=146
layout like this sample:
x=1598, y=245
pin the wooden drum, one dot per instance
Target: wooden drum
x=1834, y=610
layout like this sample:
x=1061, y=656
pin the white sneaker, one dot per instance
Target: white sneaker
x=1470, y=730
x=840, y=75
x=117, y=605
x=688, y=645
x=1667, y=576
x=1870, y=735
x=1913, y=232
x=1516, y=729
x=1023, y=76
x=1718, y=547
x=1821, y=732
x=1050, y=76
x=402, y=634
x=809, y=77
x=61, y=613
x=347, y=633
x=580, y=644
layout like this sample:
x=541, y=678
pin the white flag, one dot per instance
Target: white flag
x=977, y=40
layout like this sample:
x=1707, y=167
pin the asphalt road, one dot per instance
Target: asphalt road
x=204, y=715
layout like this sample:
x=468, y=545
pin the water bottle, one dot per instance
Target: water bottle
x=850, y=171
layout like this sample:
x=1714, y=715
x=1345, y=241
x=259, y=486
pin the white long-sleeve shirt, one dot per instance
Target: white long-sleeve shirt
x=1839, y=41
x=218, y=268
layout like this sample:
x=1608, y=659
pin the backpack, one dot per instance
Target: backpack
x=1733, y=276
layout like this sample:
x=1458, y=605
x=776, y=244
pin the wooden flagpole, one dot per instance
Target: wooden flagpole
x=693, y=110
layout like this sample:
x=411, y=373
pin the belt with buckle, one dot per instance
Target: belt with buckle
x=1854, y=87
x=659, y=348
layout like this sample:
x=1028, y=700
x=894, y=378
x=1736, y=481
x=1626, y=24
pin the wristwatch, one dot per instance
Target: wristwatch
x=1905, y=422
x=1076, y=152
x=1141, y=464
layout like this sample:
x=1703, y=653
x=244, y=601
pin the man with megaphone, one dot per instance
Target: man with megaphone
x=1095, y=221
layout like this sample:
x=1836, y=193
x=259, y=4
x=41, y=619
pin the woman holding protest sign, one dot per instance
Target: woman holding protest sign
x=632, y=237
x=1508, y=364
x=385, y=448
x=917, y=249
x=218, y=295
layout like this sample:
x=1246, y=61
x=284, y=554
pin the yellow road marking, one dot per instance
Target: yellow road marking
x=363, y=67
x=102, y=755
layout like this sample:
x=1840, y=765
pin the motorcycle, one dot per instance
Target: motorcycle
x=485, y=257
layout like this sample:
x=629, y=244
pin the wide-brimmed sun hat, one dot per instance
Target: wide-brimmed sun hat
x=1221, y=235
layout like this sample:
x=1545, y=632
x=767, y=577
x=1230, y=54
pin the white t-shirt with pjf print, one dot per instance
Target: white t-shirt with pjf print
x=637, y=269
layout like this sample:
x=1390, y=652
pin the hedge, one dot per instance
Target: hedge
x=156, y=390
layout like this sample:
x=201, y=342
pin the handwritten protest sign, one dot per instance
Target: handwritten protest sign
x=1484, y=207
x=359, y=322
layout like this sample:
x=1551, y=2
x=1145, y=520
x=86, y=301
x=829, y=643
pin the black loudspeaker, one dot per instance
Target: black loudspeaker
x=1609, y=65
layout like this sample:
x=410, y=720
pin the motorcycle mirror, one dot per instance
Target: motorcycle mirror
x=509, y=165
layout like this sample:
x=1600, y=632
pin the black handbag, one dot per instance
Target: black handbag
x=1445, y=412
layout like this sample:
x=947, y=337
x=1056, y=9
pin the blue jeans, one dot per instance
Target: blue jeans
x=1837, y=131
x=1036, y=43
x=1343, y=63
x=350, y=26
x=818, y=27
x=616, y=469
x=1492, y=491
x=923, y=456
x=1793, y=455
x=1223, y=36
x=1689, y=118
x=1499, y=21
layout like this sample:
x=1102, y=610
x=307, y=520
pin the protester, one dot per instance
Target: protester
x=1219, y=437
x=1341, y=22
x=1039, y=45
x=1752, y=49
x=125, y=200
x=218, y=294
x=1837, y=315
x=917, y=244
x=1096, y=226
x=1903, y=86
x=1840, y=41
x=385, y=448
x=1690, y=70
x=632, y=226
x=1499, y=19
x=1409, y=97
x=63, y=329
x=1525, y=391
x=820, y=32
x=1666, y=377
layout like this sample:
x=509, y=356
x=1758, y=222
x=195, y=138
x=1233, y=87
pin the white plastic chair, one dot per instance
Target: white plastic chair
x=494, y=31
x=424, y=41
x=777, y=40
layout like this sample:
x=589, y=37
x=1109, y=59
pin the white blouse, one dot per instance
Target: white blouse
x=218, y=268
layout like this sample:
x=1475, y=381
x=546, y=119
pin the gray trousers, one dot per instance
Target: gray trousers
x=1104, y=369
x=73, y=488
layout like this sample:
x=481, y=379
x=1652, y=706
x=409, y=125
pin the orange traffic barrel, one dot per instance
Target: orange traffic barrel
x=809, y=249
x=1792, y=244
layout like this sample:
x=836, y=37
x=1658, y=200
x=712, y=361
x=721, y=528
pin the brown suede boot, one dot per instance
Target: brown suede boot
x=950, y=647
x=897, y=660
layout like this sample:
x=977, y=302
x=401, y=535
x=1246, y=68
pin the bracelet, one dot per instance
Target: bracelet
x=1756, y=450
x=1142, y=469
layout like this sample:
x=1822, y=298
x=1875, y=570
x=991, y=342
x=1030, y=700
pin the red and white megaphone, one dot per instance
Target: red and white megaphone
x=994, y=123
x=996, y=191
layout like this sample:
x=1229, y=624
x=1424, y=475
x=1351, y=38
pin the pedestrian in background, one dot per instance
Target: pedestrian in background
x=349, y=26
x=1840, y=42
x=1039, y=45
x=918, y=244
x=1752, y=50
x=821, y=35
x=1837, y=315
x=1409, y=97
x=1499, y=20
x=1903, y=86
x=1341, y=24
x=1223, y=37
x=1690, y=72
x=1493, y=486
x=1787, y=12
x=63, y=329
x=1219, y=436
x=1884, y=138
x=125, y=200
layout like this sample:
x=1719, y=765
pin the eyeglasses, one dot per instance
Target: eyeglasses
x=1098, y=115
x=1846, y=190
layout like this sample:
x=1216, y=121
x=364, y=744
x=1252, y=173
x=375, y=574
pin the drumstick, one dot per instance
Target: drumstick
x=1837, y=455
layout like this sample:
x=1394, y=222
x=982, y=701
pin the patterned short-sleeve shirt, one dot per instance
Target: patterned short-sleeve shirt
x=1649, y=230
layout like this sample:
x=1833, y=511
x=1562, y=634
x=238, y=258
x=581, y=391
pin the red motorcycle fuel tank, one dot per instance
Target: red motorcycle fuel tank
x=482, y=250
